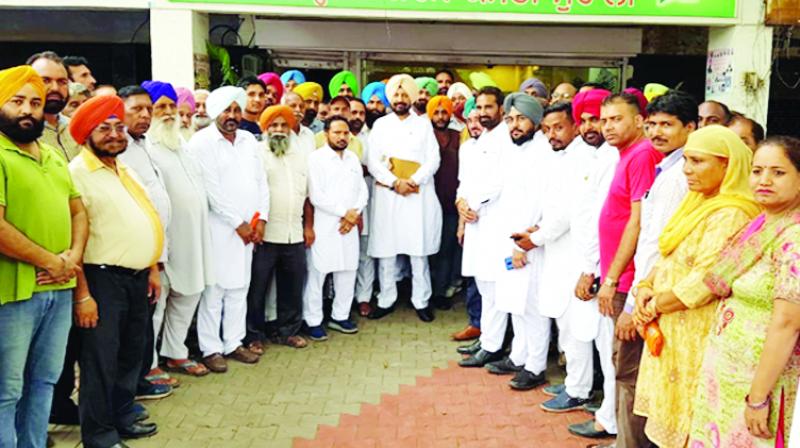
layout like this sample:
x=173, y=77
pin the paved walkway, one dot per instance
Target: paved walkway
x=395, y=383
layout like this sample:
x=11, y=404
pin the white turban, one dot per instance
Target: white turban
x=220, y=99
x=404, y=81
x=461, y=88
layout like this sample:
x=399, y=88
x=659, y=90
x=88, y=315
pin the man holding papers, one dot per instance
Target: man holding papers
x=403, y=157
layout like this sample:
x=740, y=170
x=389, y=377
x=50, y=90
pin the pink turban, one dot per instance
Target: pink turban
x=588, y=102
x=639, y=96
x=185, y=96
x=272, y=79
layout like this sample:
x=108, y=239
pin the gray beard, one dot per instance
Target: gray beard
x=278, y=144
x=199, y=122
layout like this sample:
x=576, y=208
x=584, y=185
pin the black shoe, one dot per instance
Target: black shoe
x=470, y=349
x=425, y=314
x=503, y=367
x=525, y=380
x=480, y=359
x=587, y=429
x=137, y=430
x=379, y=313
x=442, y=303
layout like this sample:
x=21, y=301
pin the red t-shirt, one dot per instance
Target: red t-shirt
x=633, y=177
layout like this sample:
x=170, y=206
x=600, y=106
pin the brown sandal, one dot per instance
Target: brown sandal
x=256, y=347
x=187, y=367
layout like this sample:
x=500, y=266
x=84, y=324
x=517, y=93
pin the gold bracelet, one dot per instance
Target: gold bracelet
x=644, y=284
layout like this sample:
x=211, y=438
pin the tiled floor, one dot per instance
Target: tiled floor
x=395, y=383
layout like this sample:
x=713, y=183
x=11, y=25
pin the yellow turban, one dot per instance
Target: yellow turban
x=13, y=79
x=734, y=191
x=654, y=90
x=404, y=81
x=439, y=100
x=272, y=112
x=309, y=91
x=480, y=80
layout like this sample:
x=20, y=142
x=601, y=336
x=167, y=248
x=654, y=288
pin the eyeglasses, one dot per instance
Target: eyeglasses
x=105, y=129
x=560, y=96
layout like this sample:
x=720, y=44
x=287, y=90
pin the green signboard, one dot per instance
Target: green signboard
x=722, y=9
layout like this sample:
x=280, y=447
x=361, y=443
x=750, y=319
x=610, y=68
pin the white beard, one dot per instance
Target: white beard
x=187, y=133
x=199, y=122
x=167, y=134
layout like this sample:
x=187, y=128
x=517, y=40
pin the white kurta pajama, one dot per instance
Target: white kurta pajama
x=138, y=158
x=189, y=267
x=335, y=185
x=577, y=320
x=365, y=276
x=236, y=186
x=481, y=181
x=411, y=224
x=586, y=235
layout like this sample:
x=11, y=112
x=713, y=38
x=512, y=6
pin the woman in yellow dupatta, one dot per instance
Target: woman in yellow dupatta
x=719, y=202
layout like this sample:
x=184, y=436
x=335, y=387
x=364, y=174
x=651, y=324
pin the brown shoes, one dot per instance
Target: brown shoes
x=216, y=363
x=467, y=334
x=294, y=341
x=364, y=309
x=256, y=347
x=243, y=355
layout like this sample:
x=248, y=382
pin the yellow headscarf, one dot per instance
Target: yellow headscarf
x=14, y=78
x=735, y=191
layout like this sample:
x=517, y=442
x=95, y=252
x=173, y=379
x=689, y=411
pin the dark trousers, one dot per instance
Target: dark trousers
x=64, y=410
x=288, y=263
x=149, y=343
x=627, y=354
x=111, y=353
x=445, y=263
x=473, y=302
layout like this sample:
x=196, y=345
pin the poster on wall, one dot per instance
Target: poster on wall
x=719, y=71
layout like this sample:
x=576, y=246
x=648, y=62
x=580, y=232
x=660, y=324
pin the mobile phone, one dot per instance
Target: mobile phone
x=595, y=286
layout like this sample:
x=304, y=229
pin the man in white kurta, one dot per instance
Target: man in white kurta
x=234, y=179
x=482, y=180
x=338, y=193
x=407, y=217
x=189, y=269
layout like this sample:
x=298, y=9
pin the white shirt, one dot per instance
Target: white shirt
x=305, y=139
x=287, y=179
x=363, y=136
x=189, y=268
x=597, y=181
x=335, y=185
x=137, y=157
x=478, y=166
x=412, y=224
x=658, y=206
x=236, y=186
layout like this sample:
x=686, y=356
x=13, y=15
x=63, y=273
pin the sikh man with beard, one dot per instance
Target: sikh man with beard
x=52, y=71
x=311, y=93
x=256, y=92
x=480, y=215
x=427, y=89
x=344, y=84
x=338, y=193
x=567, y=166
x=186, y=110
x=374, y=97
x=43, y=226
x=139, y=109
x=282, y=251
x=443, y=270
x=120, y=269
x=200, y=119
x=238, y=196
x=188, y=269
x=407, y=217
x=468, y=154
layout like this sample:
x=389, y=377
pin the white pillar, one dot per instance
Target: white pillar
x=740, y=58
x=176, y=38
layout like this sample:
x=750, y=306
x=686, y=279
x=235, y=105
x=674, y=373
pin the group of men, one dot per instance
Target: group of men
x=248, y=205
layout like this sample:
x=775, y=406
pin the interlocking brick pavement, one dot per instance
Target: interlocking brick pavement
x=370, y=389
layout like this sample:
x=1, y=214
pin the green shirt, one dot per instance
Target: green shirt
x=36, y=197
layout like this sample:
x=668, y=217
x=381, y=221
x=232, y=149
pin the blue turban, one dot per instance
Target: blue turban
x=375, y=88
x=535, y=84
x=293, y=75
x=157, y=89
x=526, y=105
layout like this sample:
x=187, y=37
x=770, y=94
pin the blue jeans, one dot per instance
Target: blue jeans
x=33, y=340
x=473, y=299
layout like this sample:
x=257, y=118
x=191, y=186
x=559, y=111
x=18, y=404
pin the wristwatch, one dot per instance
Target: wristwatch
x=610, y=282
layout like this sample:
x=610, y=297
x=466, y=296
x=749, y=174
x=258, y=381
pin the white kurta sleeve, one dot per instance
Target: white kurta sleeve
x=379, y=171
x=487, y=189
x=432, y=158
x=218, y=201
x=556, y=201
x=363, y=194
x=588, y=233
x=320, y=197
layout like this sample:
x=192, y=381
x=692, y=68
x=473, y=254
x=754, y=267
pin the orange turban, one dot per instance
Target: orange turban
x=439, y=100
x=272, y=112
x=14, y=78
x=93, y=112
